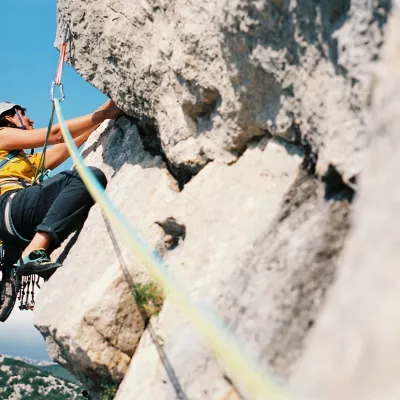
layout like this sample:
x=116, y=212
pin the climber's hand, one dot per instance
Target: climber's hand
x=110, y=110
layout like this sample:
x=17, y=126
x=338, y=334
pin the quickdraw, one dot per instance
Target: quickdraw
x=26, y=288
x=60, y=67
x=41, y=173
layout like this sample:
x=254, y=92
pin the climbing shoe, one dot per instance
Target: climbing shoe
x=37, y=262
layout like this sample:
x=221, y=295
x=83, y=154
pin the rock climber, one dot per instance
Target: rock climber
x=36, y=218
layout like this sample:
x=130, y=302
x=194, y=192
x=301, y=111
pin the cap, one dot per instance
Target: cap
x=6, y=106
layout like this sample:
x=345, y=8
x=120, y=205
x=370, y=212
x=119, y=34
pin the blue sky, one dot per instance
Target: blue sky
x=27, y=68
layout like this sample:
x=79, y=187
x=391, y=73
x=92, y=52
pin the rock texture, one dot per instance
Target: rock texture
x=211, y=75
x=357, y=338
x=248, y=127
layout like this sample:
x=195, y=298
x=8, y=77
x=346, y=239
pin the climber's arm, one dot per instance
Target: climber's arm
x=12, y=138
x=57, y=154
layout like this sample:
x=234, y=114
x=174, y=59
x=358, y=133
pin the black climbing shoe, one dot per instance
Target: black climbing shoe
x=9, y=286
x=37, y=262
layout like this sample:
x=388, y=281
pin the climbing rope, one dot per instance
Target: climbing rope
x=41, y=173
x=180, y=394
x=40, y=170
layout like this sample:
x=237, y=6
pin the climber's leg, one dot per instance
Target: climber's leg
x=46, y=214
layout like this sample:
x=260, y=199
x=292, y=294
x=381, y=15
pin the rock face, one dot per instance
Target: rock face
x=248, y=128
x=212, y=75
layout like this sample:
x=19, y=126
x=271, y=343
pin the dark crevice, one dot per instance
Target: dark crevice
x=353, y=180
x=207, y=101
x=151, y=141
x=382, y=12
x=335, y=9
x=298, y=144
x=183, y=173
x=252, y=142
x=310, y=155
x=303, y=191
x=335, y=187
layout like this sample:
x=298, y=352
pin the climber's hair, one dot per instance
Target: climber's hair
x=4, y=123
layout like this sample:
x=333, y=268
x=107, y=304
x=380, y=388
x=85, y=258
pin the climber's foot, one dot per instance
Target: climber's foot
x=36, y=262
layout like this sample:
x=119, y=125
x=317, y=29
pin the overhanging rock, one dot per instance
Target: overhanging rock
x=213, y=74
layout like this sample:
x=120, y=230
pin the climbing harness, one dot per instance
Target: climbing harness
x=11, y=285
x=8, y=219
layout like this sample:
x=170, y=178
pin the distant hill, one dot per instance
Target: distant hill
x=59, y=372
x=21, y=380
x=49, y=367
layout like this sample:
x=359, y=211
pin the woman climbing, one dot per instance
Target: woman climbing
x=35, y=218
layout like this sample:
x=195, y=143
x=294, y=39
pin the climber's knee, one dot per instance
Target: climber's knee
x=100, y=176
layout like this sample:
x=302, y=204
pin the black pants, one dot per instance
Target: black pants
x=58, y=206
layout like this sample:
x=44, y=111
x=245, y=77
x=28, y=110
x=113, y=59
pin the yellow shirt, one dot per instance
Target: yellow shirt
x=21, y=168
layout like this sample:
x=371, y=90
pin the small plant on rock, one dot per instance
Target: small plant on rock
x=109, y=391
x=149, y=297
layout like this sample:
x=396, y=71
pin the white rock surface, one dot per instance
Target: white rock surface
x=353, y=352
x=222, y=224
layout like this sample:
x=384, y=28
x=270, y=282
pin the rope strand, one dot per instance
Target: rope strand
x=163, y=357
x=40, y=170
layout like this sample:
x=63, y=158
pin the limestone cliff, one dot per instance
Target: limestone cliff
x=250, y=123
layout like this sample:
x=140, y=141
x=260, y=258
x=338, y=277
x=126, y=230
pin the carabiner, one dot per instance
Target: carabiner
x=53, y=84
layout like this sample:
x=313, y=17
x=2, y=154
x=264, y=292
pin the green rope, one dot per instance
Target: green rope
x=40, y=169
